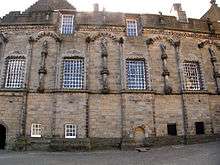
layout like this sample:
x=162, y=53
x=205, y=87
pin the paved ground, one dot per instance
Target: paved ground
x=199, y=154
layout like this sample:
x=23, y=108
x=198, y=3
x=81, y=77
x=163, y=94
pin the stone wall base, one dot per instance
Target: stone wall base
x=88, y=144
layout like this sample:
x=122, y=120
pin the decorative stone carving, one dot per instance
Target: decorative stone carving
x=210, y=26
x=149, y=41
x=3, y=37
x=104, y=72
x=43, y=71
x=166, y=73
x=161, y=19
x=104, y=35
x=216, y=74
x=43, y=34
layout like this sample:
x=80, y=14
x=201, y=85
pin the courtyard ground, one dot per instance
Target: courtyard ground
x=198, y=154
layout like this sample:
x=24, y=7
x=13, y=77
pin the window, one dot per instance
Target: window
x=73, y=73
x=171, y=129
x=132, y=28
x=36, y=130
x=70, y=131
x=192, y=76
x=199, y=128
x=136, y=78
x=15, y=70
x=67, y=26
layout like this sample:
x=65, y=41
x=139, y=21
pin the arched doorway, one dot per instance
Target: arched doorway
x=139, y=135
x=2, y=136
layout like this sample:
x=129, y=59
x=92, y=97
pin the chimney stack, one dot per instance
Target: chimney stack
x=96, y=7
x=180, y=14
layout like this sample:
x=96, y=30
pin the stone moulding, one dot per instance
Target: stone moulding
x=42, y=34
x=96, y=36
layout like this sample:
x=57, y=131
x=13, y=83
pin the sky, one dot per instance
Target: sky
x=193, y=8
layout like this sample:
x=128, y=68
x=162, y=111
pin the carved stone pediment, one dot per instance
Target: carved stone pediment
x=136, y=53
x=42, y=34
x=17, y=52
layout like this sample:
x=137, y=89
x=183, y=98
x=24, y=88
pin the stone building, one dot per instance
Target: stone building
x=81, y=80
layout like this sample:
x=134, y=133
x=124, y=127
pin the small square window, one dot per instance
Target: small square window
x=67, y=26
x=132, y=30
x=36, y=130
x=70, y=131
x=200, y=129
x=171, y=129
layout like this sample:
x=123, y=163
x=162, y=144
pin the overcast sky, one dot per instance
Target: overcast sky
x=194, y=8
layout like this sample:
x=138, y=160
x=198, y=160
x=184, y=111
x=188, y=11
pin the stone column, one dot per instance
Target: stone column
x=43, y=71
x=216, y=73
x=104, y=71
x=166, y=73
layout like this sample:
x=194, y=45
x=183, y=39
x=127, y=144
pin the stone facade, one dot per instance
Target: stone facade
x=106, y=113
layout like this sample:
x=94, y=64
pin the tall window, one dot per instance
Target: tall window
x=73, y=73
x=67, y=26
x=192, y=76
x=36, y=130
x=15, y=70
x=132, y=30
x=70, y=131
x=136, y=74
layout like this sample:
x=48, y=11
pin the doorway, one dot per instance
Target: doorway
x=139, y=136
x=2, y=136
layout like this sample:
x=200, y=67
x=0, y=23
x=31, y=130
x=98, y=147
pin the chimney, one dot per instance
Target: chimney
x=96, y=7
x=180, y=14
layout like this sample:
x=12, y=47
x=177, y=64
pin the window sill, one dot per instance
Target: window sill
x=13, y=90
x=195, y=92
x=138, y=91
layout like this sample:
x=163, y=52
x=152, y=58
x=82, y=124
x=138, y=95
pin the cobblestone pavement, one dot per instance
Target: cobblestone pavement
x=198, y=154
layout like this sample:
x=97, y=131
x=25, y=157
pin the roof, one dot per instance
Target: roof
x=213, y=13
x=50, y=5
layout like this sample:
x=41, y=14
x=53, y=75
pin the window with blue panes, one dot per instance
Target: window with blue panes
x=136, y=74
x=67, y=26
x=73, y=73
x=132, y=29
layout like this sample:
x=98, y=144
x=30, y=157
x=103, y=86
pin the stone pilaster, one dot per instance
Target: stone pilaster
x=166, y=73
x=104, y=72
x=43, y=71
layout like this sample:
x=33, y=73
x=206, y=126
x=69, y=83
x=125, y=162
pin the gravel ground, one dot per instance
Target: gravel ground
x=198, y=154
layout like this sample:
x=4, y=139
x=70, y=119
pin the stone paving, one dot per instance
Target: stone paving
x=198, y=154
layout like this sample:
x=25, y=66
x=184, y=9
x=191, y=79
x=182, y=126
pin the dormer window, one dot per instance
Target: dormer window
x=132, y=30
x=67, y=26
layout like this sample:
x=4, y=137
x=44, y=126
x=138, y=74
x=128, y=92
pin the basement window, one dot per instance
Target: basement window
x=200, y=129
x=171, y=129
x=70, y=131
x=36, y=130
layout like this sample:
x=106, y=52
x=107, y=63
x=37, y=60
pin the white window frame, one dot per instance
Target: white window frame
x=136, y=27
x=74, y=129
x=61, y=28
x=34, y=132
